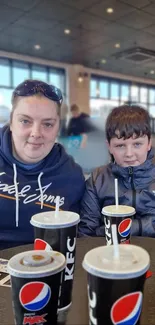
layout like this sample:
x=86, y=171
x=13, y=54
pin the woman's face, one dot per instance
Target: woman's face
x=34, y=127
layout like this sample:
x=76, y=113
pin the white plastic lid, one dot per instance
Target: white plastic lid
x=48, y=220
x=36, y=264
x=117, y=211
x=134, y=261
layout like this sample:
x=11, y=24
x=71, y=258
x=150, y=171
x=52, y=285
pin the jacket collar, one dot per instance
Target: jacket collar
x=141, y=175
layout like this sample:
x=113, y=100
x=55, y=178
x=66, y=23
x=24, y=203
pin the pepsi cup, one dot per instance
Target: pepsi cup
x=35, y=282
x=115, y=286
x=121, y=216
x=59, y=233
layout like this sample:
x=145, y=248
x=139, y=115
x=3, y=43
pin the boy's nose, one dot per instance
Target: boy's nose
x=129, y=152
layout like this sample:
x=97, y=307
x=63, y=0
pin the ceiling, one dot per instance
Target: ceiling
x=94, y=32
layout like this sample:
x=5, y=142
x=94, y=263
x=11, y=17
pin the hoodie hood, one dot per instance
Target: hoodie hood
x=30, y=191
x=56, y=158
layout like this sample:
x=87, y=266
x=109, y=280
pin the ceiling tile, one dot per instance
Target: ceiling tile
x=36, y=22
x=80, y=4
x=120, y=9
x=91, y=39
x=87, y=21
x=150, y=9
x=24, y=4
x=150, y=29
x=58, y=32
x=137, y=19
x=8, y=15
x=54, y=10
x=138, y=3
x=117, y=31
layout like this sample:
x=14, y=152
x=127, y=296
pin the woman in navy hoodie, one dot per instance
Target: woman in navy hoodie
x=33, y=168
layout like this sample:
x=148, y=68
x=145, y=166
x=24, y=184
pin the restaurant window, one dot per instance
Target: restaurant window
x=93, y=88
x=143, y=95
x=125, y=93
x=39, y=73
x=114, y=90
x=152, y=110
x=134, y=94
x=5, y=73
x=20, y=73
x=152, y=96
x=57, y=78
x=103, y=89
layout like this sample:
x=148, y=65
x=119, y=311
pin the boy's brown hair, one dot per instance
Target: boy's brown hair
x=125, y=121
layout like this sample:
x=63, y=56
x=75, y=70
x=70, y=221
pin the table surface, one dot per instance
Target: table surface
x=78, y=314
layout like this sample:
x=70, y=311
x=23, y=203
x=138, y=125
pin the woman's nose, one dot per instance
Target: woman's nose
x=36, y=131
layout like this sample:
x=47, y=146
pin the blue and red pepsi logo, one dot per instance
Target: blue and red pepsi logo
x=34, y=296
x=125, y=227
x=40, y=244
x=127, y=309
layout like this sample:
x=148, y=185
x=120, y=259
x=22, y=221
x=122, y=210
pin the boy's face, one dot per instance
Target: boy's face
x=130, y=152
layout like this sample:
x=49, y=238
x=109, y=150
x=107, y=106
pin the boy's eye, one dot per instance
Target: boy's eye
x=138, y=144
x=120, y=145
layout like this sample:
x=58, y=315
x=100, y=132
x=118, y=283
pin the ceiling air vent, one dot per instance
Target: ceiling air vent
x=136, y=55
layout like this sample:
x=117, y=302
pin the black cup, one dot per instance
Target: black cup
x=35, y=282
x=121, y=216
x=59, y=234
x=115, y=288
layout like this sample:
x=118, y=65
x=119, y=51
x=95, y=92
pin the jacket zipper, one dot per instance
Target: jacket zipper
x=134, y=198
x=133, y=188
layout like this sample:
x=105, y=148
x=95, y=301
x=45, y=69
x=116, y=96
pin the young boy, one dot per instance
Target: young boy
x=133, y=164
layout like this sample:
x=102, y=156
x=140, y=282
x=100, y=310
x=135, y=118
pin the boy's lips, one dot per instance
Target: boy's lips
x=132, y=162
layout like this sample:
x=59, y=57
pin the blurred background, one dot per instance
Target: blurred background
x=99, y=53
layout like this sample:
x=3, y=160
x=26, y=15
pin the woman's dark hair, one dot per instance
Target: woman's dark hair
x=126, y=120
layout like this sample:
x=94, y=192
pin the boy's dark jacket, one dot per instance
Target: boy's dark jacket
x=136, y=188
x=23, y=192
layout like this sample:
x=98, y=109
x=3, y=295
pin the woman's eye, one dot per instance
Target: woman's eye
x=25, y=121
x=48, y=125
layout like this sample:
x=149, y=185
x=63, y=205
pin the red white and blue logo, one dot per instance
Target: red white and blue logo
x=127, y=309
x=40, y=244
x=124, y=227
x=34, y=296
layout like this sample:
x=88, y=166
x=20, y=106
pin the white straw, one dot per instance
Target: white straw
x=57, y=203
x=116, y=192
x=115, y=242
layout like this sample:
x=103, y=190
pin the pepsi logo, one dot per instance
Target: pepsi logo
x=40, y=244
x=127, y=309
x=124, y=227
x=34, y=296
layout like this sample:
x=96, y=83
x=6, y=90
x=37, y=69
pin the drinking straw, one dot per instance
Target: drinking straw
x=116, y=192
x=57, y=203
x=115, y=242
x=114, y=229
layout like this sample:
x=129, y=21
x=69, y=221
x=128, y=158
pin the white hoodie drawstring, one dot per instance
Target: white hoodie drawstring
x=16, y=194
x=40, y=188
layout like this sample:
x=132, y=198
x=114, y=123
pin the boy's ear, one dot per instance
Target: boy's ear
x=150, y=144
x=108, y=145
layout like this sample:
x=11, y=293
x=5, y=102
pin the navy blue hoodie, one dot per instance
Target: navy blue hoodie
x=26, y=192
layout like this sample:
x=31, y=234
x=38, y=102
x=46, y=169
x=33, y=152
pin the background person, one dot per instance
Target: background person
x=33, y=168
x=128, y=136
